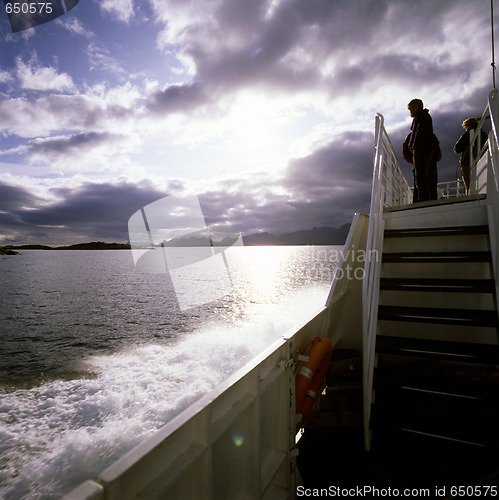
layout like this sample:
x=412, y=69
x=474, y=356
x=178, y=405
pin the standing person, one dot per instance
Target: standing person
x=421, y=145
x=463, y=146
x=433, y=175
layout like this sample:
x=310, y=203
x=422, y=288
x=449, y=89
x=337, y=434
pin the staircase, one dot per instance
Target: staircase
x=436, y=377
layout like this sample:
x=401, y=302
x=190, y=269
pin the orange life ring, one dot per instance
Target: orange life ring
x=310, y=376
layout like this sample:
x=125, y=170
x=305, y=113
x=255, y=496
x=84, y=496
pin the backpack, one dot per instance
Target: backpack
x=407, y=153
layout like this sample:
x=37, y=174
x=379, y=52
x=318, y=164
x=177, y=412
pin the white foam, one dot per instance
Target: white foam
x=57, y=435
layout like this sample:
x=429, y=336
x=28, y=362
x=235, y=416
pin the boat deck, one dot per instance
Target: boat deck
x=434, y=203
x=335, y=457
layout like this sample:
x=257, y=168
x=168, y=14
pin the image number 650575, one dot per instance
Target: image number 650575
x=28, y=7
x=24, y=14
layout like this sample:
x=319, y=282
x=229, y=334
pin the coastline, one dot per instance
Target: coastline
x=314, y=236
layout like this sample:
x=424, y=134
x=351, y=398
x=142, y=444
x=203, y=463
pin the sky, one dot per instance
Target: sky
x=263, y=109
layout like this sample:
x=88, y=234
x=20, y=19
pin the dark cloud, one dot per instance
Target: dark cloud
x=34, y=116
x=244, y=46
x=14, y=198
x=178, y=98
x=71, y=144
x=14, y=201
x=91, y=212
x=324, y=188
x=397, y=67
x=333, y=182
x=348, y=158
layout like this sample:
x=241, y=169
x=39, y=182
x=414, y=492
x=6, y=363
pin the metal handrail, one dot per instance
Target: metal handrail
x=451, y=189
x=479, y=179
x=389, y=188
x=484, y=174
x=493, y=108
x=493, y=184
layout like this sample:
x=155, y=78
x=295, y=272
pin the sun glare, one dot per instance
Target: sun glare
x=263, y=269
x=258, y=128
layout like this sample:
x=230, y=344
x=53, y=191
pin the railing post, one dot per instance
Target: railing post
x=493, y=181
x=472, y=188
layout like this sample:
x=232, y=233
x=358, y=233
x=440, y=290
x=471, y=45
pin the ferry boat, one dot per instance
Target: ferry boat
x=411, y=393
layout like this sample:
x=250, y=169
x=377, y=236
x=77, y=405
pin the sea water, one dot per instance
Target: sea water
x=95, y=355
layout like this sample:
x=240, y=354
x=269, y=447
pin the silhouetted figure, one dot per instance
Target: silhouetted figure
x=432, y=173
x=463, y=146
x=421, y=145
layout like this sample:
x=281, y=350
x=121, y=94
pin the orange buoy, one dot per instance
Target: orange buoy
x=310, y=376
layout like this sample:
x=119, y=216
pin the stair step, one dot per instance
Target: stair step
x=438, y=285
x=429, y=405
x=463, y=317
x=432, y=407
x=440, y=257
x=466, y=432
x=445, y=458
x=468, y=352
x=436, y=231
x=485, y=390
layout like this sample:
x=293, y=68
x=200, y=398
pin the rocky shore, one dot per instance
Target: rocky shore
x=8, y=251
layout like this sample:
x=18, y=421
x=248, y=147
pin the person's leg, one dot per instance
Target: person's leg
x=466, y=179
x=422, y=172
x=415, y=197
x=433, y=181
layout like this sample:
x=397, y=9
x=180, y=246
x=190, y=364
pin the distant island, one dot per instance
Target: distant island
x=315, y=236
x=93, y=245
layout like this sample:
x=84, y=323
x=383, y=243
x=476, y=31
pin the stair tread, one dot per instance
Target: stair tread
x=436, y=231
x=442, y=257
x=467, y=432
x=472, y=317
x=451, y=454
x=438, y=285
x=435, y=408
x=481, y=390
x=463, y=351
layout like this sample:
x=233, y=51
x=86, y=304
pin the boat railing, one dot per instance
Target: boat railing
x=492, y=181
x=478, y=163
x=484, y=171
x=389, y=188
x=451, y=189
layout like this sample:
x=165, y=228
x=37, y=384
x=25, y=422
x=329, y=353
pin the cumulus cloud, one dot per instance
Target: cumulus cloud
x=100, y=58
x=319, y=45
x=74, y=26
x=34, y=77
x=81, y=151
x=178, y=98
x=98, y=109
x=5, y=77
x=120, y=9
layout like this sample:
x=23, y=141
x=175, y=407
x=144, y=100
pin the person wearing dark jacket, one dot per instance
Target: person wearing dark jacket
x=436, y=157
x=463, y=146
x=421, y=145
